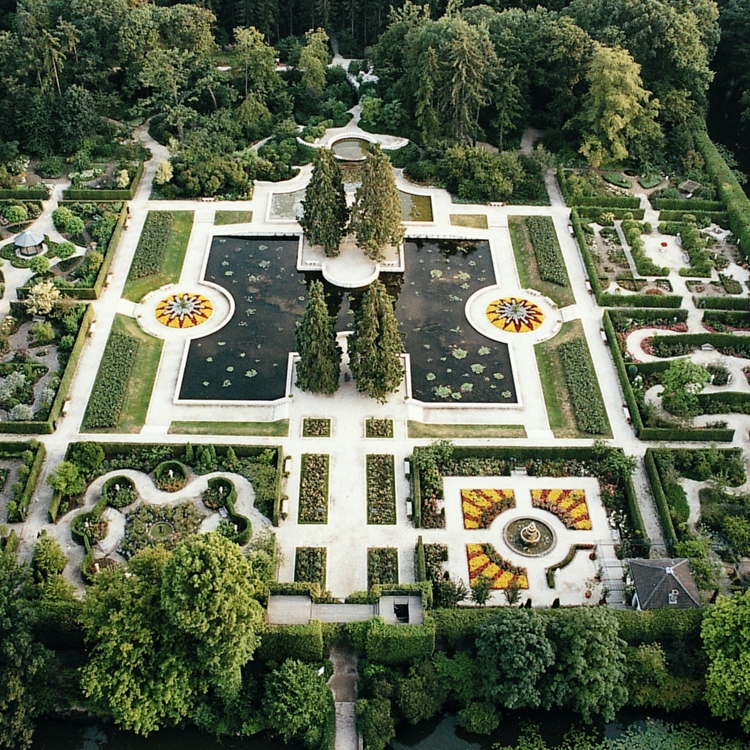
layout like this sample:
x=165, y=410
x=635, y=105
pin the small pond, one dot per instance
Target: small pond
x=56, y=735
x=246, y=360
x=450, y=361
x=350, y=149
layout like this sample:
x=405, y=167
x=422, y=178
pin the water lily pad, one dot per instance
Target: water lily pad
x=251, y=373
x=264, y=263
x=483, y=350
x=478, y=369
x=454, y=298
x=209, y=359
x=242, y=354
x=457, y=329
x=221, y=343
x=436, y=273
x=463, y=275
x=467, y=387
x=506, y=394
x=430, y=376
x=250, y=311
x=230, y=369
x=226, y=384
x=459, y=353
x=498, y=376
x=456, y=395
x=205, y=382
x=443, y=391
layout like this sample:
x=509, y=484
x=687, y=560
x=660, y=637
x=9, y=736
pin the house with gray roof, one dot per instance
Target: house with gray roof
x=665, y=582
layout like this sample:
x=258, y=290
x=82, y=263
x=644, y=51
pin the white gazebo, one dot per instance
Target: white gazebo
x=29, y=243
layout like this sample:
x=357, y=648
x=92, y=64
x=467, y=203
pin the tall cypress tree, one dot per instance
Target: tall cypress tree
x=376, y=217
x=325, y=212
x=375, y=345
x=320, y=357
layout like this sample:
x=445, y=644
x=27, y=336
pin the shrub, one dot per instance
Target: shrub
x=547, y=249
x=382, y=566
x=310, y=565
x=313, y=489
x=152, y=245
x=108, y=393
x=381, y=489
x=394, y=644
x=65, y=250
x=583, y=387
x=303, y=642
x=16, y=214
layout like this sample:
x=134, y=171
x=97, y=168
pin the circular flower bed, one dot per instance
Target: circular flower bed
x=184, y=310
x=170, y=476
x=515, y=314
x=149, y=525
x=119, y=492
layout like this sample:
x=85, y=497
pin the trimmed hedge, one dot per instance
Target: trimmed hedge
x=594, y=212
x=722, y=303
x=547, y=250
x=151, y=245
x=421, y=563
x=662, y=507
x=574, y=549
x=687, y=205
x=730, y=191
x=725, y=343
x=108, y=393
x=622, y=319
x=23, y=194
x=396, y=644
x=416, y=496
x=654, y=625
x=92, y=194
x=23, y=500
x=732, y=318
x=703, y=218
x=640, y=300
x=583, y=386
x=303, y=642
x=627, y=388
x=733, y=402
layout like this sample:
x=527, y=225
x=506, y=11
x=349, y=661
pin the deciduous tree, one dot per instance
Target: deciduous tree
x=515, y=652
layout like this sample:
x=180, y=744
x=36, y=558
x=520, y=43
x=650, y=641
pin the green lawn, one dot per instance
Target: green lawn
x=255, y=429
x=473, y=221
x=222, y=218
x=174, y=257
x=423, y=430
x=142, y=376
x=562, y=420
x=528, y=272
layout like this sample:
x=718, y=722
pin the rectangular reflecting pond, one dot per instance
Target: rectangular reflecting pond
x=246, y=360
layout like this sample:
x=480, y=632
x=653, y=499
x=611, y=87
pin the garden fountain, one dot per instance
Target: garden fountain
x=529, y=537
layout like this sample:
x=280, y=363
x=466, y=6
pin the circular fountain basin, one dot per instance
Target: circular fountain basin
x=535, y=544
x=350, y=149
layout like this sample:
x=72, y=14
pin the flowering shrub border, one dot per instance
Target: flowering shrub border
x=483, y=559
x=481, y=507
x=568, y=505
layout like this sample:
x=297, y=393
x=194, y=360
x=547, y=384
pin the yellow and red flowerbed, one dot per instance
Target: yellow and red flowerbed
x=484, y=560
x=568, y=505
x=481, y=507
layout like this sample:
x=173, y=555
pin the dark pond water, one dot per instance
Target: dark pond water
x=53, y=735
x=443, y=734
x=247, y=359
x=450, y=360
x=351, y=149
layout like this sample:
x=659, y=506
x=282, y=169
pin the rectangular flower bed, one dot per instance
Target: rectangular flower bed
x=484, y=560
x=312, y=427
x=568, y=505
x=481, y=507
x=382, y=566
x=381, y=489
x=378, y=428
x=313, y=488
x=310, y=565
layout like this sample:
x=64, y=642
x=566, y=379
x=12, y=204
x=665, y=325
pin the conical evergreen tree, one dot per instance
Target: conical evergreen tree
x=320, y=357
x=325, y=212
x=375, y=345
x=376, y=216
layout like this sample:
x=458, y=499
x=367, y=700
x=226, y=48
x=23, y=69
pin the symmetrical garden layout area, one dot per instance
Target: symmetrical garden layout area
x=529, y=333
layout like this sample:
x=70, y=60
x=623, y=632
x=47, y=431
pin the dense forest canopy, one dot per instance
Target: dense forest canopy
x=615, y=80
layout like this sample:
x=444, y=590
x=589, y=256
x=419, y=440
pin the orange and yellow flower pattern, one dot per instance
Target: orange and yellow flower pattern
x=484, y=560
x=184, y=310
x=568, y=505
x=515, y=314
x=481, y=507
